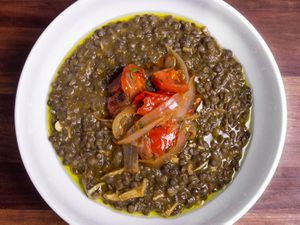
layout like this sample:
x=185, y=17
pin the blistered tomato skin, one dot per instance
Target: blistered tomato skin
x=162, y=138
x=133, y=80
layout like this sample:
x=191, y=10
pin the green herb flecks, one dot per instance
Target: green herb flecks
x=148, y=84
x=133, y=70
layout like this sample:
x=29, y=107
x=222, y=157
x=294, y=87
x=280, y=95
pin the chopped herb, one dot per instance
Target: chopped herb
x=148, y=83
x=142, y=125
x=133, y=70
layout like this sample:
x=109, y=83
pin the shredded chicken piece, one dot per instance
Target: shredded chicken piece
x=113, y=173
x=97, y=187
x=190, y=168
x=102, y=119
x=69, y=133
x=137, y=192
x=200, y=147
x=202, y=166
x=158, y=197
x=169, y=211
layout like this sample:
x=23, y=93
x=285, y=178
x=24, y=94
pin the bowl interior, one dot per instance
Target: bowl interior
x=230, y=29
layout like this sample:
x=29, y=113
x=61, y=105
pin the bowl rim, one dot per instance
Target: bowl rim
x=277, y=76
x=280, y=146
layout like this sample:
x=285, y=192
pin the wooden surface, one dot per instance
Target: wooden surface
x=21, y=22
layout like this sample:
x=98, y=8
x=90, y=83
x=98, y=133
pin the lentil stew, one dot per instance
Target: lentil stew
x=150, y=114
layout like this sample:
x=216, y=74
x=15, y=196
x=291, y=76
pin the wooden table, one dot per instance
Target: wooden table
x=21, y=23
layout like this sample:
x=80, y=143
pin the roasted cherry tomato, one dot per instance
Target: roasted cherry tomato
x=133, y=80
x=150, y=101
x=169, y=80
x=161, y=138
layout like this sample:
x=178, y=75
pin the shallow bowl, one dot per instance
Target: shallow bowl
x=231, y=30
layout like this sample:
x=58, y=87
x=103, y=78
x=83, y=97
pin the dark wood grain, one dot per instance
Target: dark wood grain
x=29, y=217
x=278, y=23
x=21, y=23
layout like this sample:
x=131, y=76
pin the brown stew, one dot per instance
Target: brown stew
x=150, y=113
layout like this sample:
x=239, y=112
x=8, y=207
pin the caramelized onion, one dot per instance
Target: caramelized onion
x=169, y=211
x=119, y=125
x=188, y=99
x=180, y=62
x=157, y=116
x=169, y=106
x=139, y=132
x=130, y=159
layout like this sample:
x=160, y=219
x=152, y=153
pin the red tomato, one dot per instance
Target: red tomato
x=161, y=138
x=150, y=101
x=169, y=80
x=133, y=80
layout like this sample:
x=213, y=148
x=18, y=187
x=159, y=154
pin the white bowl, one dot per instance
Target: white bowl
x=231, y=30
